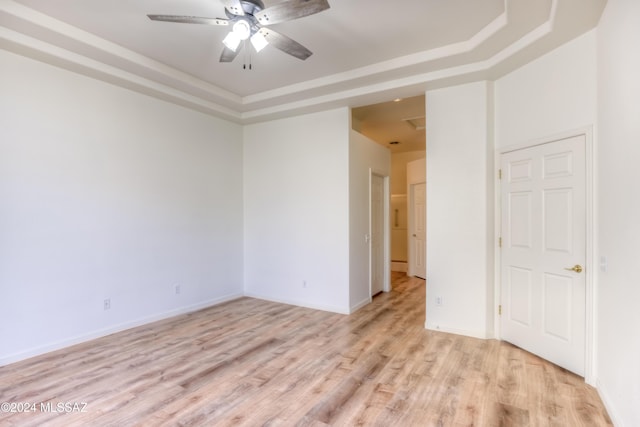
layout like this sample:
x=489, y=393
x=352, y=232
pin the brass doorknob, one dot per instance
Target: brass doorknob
x=577, y=268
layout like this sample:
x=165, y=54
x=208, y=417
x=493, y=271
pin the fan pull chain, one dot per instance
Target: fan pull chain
x=247, y=52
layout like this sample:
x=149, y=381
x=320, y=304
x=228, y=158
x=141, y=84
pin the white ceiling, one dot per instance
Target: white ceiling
x=364, y=51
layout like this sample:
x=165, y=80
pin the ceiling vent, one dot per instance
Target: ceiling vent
x=417, y=123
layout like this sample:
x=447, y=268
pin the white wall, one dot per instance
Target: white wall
x=618, y=340
x=296, y=186
x=458, y=209
x=399, y=169
x=364, y=156
x=106, y=193
x=552, y=94
x=593, y=80
x=416, y=172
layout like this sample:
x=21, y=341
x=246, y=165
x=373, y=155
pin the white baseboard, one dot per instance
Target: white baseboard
x=399, y=266
x=449, y=330
x=36, y=351
x=305, y=304
x=606, y=400
x=331, y=309
x=361, y=304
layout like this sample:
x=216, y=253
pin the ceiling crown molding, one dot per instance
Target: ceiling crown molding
x=501, y=46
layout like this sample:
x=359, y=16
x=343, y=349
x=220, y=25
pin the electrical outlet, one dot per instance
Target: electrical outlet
x=439, y=301
x=107, y=304
x=178, y=289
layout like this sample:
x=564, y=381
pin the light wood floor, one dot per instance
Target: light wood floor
x=251, y=362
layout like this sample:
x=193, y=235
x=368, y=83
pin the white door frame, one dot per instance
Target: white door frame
x=415, y=175
x=587, y=132
x=386, y=243
x=411, y=229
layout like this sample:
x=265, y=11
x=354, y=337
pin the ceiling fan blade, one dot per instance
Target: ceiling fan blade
x=189, y=19
x=290, y=9
x=228, y=55
x=285, y=44
x=233, y=6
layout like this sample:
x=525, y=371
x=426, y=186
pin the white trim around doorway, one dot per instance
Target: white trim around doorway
x=590, y=309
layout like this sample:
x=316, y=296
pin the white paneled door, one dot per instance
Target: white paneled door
x=377, y=234
x=418, y=238
x=544, y=251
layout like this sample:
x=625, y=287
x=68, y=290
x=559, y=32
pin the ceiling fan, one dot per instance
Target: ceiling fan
x=249, y=18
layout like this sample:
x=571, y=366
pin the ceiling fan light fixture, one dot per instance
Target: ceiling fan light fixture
x=242, y=29
x=247, y=17
x=232, y=41
x=258, y=41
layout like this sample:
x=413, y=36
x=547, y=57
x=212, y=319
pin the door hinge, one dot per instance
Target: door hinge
x=499, y=242
x=500, y=310
x=499, y=173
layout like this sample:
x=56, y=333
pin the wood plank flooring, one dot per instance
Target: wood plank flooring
x=257, y=363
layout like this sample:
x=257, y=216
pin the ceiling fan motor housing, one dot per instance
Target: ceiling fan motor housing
x=250, y=8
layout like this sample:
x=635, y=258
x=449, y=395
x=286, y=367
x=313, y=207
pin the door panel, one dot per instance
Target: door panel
x=558, y=220
x=520, y=295
x=419, y=232
x=557, y=306
x=377, y=234
x=543, y=228
x=520, y=224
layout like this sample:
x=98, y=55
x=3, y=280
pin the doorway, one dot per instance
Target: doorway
x=399, y=126
x=378, y=241
x=417, y=230
x=545, y=285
